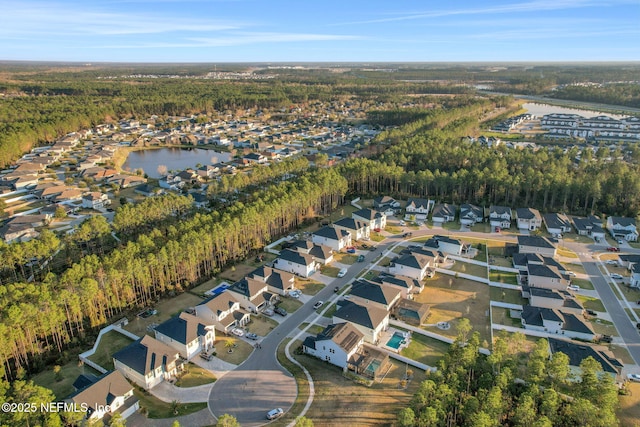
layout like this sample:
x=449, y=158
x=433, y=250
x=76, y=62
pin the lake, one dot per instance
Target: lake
x=173, y=158
x=540, y=110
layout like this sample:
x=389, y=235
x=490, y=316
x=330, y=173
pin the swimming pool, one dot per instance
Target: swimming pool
x=396, y=340
x=373, y=367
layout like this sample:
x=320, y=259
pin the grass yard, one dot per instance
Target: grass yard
x=501, y=316
x=313, y=330
x=206, y=286
x=425, y=350
x=483, y=227
x=340, y=401
x=384, y=262
x=574, y=237
x=194, y=376
x=631, y=294
x=237, y=272
x=496, y=248
x=343, y=258
x=370, y=275
x=591, y=303
x=329, y=313
x=62, y=384
x=472, y=269
x=575, y=267
x=629, y=410
x=622, y=354
x=503, y=277
x=327, y=270
x=452, y=225
x=604, y=327
x=166, y=309
x=261, y=325
x=583, y=283
x=110, y=343
x=393, y=230
x=308, y=287
x=376, y=237
x=156, y=408
x=289, y=304
x=452, y=299
x=239, y=353
x=510, y=296
x=501, y=261
x=567, y=253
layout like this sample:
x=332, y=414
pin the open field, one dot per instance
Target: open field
x=575, y=267
x=622, y=354
x=110, y=343
x=472, y=269
x=62, y=384
x=194, y=376
x=452, y=299
x=567, y=253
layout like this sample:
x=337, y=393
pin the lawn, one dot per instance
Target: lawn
x=591, y=303
x=567, y=253
x=510, y=296
x=384, y=262
x=393, y=230
x=239, y=353
x=496, y=248
x=576, y=268
x=503, y=277
x=425, y=350
x=376, y=237
x=110, y=343
x=622, y=354
x=343, y=258
x=167, y=308
x=261, y=325
x=156, y=408
x=472, y=269
x=308, y=287
x=314, y=329
x=289, y=304
x=483, y=227
x=604, y=327
x=583, y=283
x=629, y=410
x=501, y=316
x=452, y=225
x=194, y=376
x=329, y=313
x=237, y=272
x=501, y=261
x=452, y=299
x=327, y=270
x=631, y=294
x=62, y=384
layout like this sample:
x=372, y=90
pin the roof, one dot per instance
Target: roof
x=401, y=281
x=524, y=259
x=103, y=392
x=470, y=211
x=375, y=292
x=248, y=287
x=296, y=257
x=556, y=220
x=570, y=322
x=527, y=213
x=368, y=214
x=499, y=210
x=185, y=328
x=413, y=260
x=224, y=301
x=273, y=277
x=146, y=354
x=417, y=203
x=551, y=272
x=384, y=201
x=321, y=252
x=350, y=223
x=444, y=209
x=84, y=381
x=535, y=241
x=345, y=335
x=331, y=233
x=369, y=317
x=577, y=352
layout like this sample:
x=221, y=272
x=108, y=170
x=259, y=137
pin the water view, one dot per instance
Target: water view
x=173, y=158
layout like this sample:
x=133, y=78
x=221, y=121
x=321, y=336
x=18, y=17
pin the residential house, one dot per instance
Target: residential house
x=557, y=224
x=555, y=299
x=578, y=351
x=372, y=218
x=95, y=200
x=444, y=212
x=536, y=245
x=18, y=232
x=147, y=362
x=126, y=181
x=590, y=226
x=302, y=264
x=171, y=182
x=335, y=238
x=471, y=214
x=622, y=228
x=418, y=208
x=106, y=395
x=200, y=200
x=406, y=285
x=369, y=320
x=556, y=321
x=186, y=333
x=528, y=219
x=254, y=158
x=522, y=261
x=634, y=280
x=252, y=294
x=546, y=276
x=278, y=281
x=411, y=312
x=446, y=244
x=365, y=292
x=358, y=229
x=500, y=216
x=385, y=204
x=323, y=254
x=224, y=311
x=414, y=265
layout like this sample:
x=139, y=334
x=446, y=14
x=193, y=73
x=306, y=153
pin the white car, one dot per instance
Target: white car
x=274, y=413
x=571, y=273
x=237, y=332
x=616, y=276
x=295, y=293
x=612, y=262
x=317, y=305
x=402, y=223
x=573, y=287
x=342, y=272
x=634, y=377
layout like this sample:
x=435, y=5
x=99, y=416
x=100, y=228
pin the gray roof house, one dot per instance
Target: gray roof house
x=444, y=212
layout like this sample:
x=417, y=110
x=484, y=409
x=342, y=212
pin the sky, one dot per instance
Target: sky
x=213, y=31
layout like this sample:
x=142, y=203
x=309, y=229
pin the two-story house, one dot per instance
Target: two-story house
x=186, y=333
x=335, y=238
x=374, y=219
x=528, y=219
x=365, y=292
x=622, y=228
x=147, y=362
x=444, y=212
x=278, y=282
x=224, y=311
x=412, y=265
x=536, y=245
x=500, y=217
x=252, y=294
x=369, y=320
x=471, y=214
x=106, y=395
x=418, y=208
x=359, y=230
x=557, y=224
x=555, y=321
x=302, y=264
x=336, y=344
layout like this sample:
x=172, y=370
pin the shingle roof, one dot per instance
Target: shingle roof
x=444, y=209
x=345, y=335
x=469, y=211
x=219, y=303
x=374, y=292
x=296, y=257
x=417, y=203
x=248, y=287
x=331, y=233
x=184, y=329
x=350, y=223
x=577, y=352
x=528, y=213
x=146, y=354
x=556, y=220
x=369, y=317
x=622, y=221
x=536, y=241
x=102, y=392
x=499, y=210
x=368, y=214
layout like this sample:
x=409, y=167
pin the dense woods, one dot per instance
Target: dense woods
x=506, y=389
x=42, y=316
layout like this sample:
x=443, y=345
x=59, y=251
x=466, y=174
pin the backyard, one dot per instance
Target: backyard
x=110, y=343
x=503, y=277
x=425, y=350
x=510, y=296
x=501, y=316
x=62, y=383
x=167, y=309
x=468, y=268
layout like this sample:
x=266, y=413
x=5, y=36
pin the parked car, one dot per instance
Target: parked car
x=408, y=234
x=267, y=312
x=318, y=305
x=613, y=249
x=573, y=288
x=616, y=276
x=497, y=229
x=237, y=332
x=281, y=311
x=606, y=338
x=634, y=377
x=274, y=413
x=620, y=241
x=612, y=262
x=402, y=223
x=351, y=250
x=591, y=313
x=377, y=229
x=295, y=293
x=361, y=258
x=571, y=273
x=251, y=336
x=342, y=272
x=336, y=289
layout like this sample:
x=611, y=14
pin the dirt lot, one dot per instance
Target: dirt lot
x=452, y=299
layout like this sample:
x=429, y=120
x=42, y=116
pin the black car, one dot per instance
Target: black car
x=281, y=311
x=336, y=289
x=592, y=313
x=606, y=338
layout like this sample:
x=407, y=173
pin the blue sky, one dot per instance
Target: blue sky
x=313, y=30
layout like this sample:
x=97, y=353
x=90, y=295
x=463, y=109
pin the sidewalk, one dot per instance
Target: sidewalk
x=168, y=393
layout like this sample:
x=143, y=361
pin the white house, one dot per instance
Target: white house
x=500, y=216
x=278, y=282
x=556, y=321
x=471, y=214
x=553, y=298
x=372, y=218
x=418, y=208
x=186, y=333
x=335, y=238
x=547, y=276
x=358, y=229
x=109, y=394
x=224, y=311
x=590, y=226
x=336, y=344
x=369, y=320
x=406, y=285
x=95, y=200
x=622, y=228
x=302, y=264
x=446, y=244
x=147, y=362
x=252, y=294
x=536, y=245
x=364, y=292
x=528, y=219
x=444, y=212
x=323, y=254
x=557, y=224
x=411, y=265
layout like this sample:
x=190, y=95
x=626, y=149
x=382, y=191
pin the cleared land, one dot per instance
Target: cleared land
x=166, y=309
x=261, y=325
x=629, y=409
x=308, y=287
